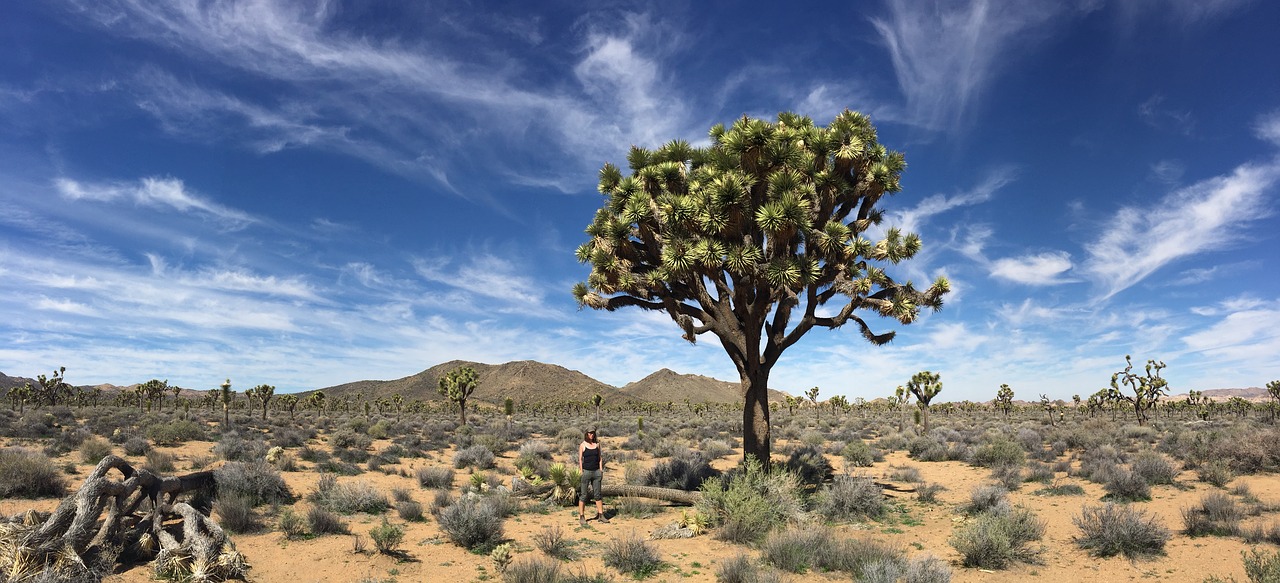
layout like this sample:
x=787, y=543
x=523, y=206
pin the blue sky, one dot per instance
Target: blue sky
x=306, y=194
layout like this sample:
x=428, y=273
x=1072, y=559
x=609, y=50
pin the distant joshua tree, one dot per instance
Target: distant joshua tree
x=812, y=394
x=925, y=386
x=457, y=386
x=1273, y=390
x=225, y=396
x=52, y=390
x=263, y=394
x=1004, y=400
x=289, y=403
x=1147, y=389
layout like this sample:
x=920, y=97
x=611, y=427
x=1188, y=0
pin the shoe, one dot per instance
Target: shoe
x=603, y=519
x=582, y=520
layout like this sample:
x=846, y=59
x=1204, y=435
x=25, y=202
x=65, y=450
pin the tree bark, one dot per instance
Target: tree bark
x=755, y=415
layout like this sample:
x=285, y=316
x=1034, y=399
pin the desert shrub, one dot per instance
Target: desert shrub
x=92, y=450
x=632, y=555
x=1010, y=477
x=926, y=568
x=1030, y=440
x=533, y=570
x=1216, y=515
x=234, y=448
x=684, y=472
x=258, y=482
x=289, y=438
x=175, y=432
x=858, y=454
x=159, y=462
x=476, y=456
x=928, y=492
x=1153, y=468
x=794, y=549
x=1127, y=486
x=441, y=500
x=987, y=498
x=1217, y=473
x=714, y=449
x=535, y=455
x=348, y=439
x=409, y=510
x=904, y=474
x=378, y=430
x=927, y=449
x=740, y=569
x=235, y=512
x=1261, y=567
x=353, y=455
x=348, y=497
x=387, y=537
x=1061, y=490
x=748, y=503
x=1039, y=472
x=997, y=539
x=809, y=464
x=551, y=541
x=636, y=507
x=66, y=440
x=1100, y=463
x=27, y=474
x=291, y=525
x=471, y=523
x=137, y=446
x=892, y=442
x=1113, y=529
x=999, y=452
x=849, y=498
x=861, y=558
x=321, y=521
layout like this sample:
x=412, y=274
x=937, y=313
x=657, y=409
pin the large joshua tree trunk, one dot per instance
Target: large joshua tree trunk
x=72, y=543
x=755, y=415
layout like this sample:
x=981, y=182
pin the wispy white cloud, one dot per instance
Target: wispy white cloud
x=155, y=192
x=1156, y=114
x=912, y=219
x=1183, y=12
x=1268, y=127
x=945, y=53
x=1040, y=269
x=1204, y=216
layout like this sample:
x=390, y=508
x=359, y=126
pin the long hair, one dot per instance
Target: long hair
x=589, y=436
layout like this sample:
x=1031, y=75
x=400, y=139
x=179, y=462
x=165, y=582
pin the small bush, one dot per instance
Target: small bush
x=1009, y=477
x=928, y=492
x=551, y=541
x=1061, y=490
x=471, y=523
x=175, y=432
x=533, y=570
x=793, y=549
x=159, y=462
x=858, y=454
x=750, y=502
x=1127, y=486
x=1216, y=473
x=136, y=446
x=92, y=450
x=1261, y=567
x=1112, y=529
x=999, y=452
x=851, y=498
x=996, y=540
x=632, y=555
x=435, y=477
x=1216, y=515
x=321, y=521
x=235, y=512
x=685, y=472
x=27, y=474
x=740, y=569
x=387, y=537
x=291, y=524
x=1153, y=468
x=809, y=464
x=987, y=498
x=409, y=510
x=258, y=481
x=476, y=456
x=234, y=448
x=349, y=497
x=926, y=568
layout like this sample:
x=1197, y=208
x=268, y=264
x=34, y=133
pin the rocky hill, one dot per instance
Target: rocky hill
x=667, y=385
x=1253, y=394
x=524, y=380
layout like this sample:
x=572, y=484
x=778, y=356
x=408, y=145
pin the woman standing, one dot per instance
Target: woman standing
x=591, y=463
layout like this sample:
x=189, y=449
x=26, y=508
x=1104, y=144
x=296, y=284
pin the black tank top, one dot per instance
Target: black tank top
x=591, y=458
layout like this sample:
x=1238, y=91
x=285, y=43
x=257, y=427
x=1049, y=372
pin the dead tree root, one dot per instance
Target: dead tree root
x=106, y=522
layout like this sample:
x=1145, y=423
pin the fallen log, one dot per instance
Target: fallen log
x=76, y=542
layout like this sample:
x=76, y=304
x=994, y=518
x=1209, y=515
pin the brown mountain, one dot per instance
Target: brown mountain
x=524, y=380
x=1254, y=394
x=667, y=385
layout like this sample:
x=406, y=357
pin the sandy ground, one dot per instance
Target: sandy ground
x=914, y=526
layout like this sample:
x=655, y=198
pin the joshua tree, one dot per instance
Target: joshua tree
x=925, y=386
x=1147, y=389
x=52, y=390
x=596, y=401
x=264, y=393
x=153, y=390
x=457, y=385
x=1047, y=405
x=750, y=239
x=509, y=409
x=225, y=396
x=901, y=397
x=1273, y=390
x=18, y=397
x=317, y=401
x=1004, y=400
x=289, y=402
x=812, y=394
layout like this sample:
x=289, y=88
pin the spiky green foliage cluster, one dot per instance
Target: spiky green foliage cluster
x=1147, y=389
x=769, y=213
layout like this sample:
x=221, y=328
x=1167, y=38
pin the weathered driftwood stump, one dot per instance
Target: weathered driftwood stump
x=523, y=488
x=77, y=542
